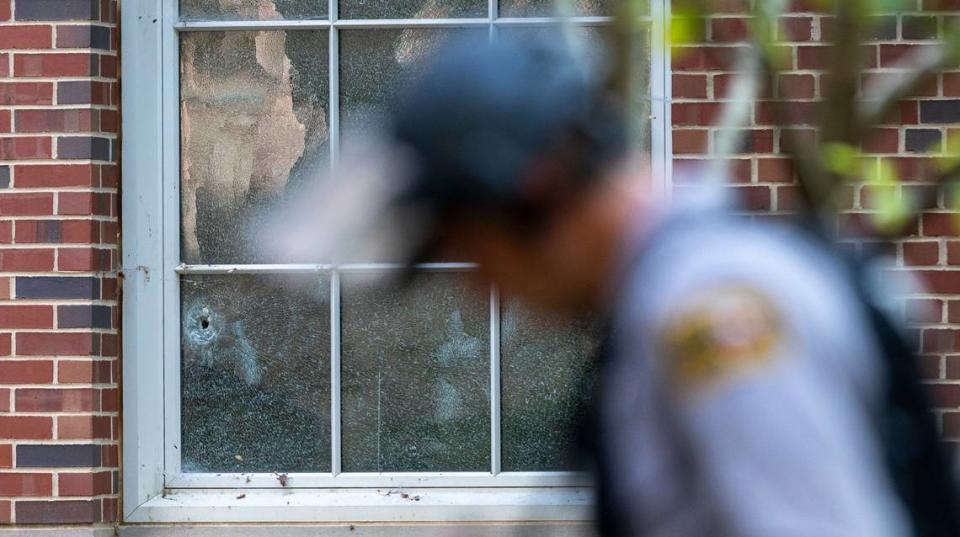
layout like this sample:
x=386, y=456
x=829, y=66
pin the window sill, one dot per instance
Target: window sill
x=368, y=505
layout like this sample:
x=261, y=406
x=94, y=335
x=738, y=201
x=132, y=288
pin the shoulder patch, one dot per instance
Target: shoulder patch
x=721, y=332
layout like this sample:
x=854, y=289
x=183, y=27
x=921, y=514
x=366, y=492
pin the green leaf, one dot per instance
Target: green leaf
x=841, y=159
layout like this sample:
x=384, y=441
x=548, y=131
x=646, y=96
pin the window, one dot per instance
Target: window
x=310, y=383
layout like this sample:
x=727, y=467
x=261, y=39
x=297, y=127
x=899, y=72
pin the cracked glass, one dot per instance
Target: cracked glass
x=254, y=129
x=252, y=9
x=255, y=373
x=547, y=374
x=411, y=9
x=415, y=372
x=375, y=64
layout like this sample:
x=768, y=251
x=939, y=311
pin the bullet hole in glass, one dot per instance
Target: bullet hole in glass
x=205, y=323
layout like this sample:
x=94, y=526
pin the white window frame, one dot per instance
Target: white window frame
x=154, y=489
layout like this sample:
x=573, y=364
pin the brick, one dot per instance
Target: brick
x=882, y=141
x=6, y=344
x=919, y=27
x=110, y=400
x=85, y=371
x=58, y=512
x=26, y=148
x=85, y=484
x=54, y=344
x=26, y=316
x=939, y=224
x=6, y=506
x=70, y=120
x=4, y=176
x=686, y=86
x=83, y=259
x=940, y=112
x=26, y=428
x=58, y=10
x=84, y=316
x=5, y=10
x=40, y=204
x=84, y=203
x=58, y=287
x=83, y=36
x=37, y=231
x=26, y=93
x=26, y=371
x=83, y=147
x=83, y=92
x=56, y=400
x=6, y=456
x=32, y=260
x=794, y=86
x=728, y=30
x=941, y=282
x=945, y=395
x=922, y=140
x=108, y=66
x=796, y=28
x=58, y=455
x=754, y=198
x=695, y=114
x=689, y=141
x=6, y=121
x=26, y=36
x=57, y=175
x=25, y=485
x=83, y=427
x=55, y=64
x=923, y=311
x=921, y=253
x=951, y=84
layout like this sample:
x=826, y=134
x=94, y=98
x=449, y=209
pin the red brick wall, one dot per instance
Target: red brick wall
x=701, y=76
x=59, y=395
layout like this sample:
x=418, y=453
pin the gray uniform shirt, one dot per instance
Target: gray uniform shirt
x=773, y=440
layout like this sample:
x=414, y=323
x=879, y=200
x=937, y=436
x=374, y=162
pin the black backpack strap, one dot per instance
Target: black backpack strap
x=920, y=468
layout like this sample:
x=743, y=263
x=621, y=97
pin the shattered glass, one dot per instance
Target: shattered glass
x=255, y=373
x=252, y=9
x=547, y=8
x=415, y=376
x=374, y=64
x=547, y=372
x=412, y=9
x=254, y=132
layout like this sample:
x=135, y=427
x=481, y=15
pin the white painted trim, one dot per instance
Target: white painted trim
x=537, y=529
x=372, y=480
x=369, y=505
x=661, y=91
x=142, y=266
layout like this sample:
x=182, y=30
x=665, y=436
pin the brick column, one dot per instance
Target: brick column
x=59, y=373
x=701, y=77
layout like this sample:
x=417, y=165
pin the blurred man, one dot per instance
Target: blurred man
x=749, y=391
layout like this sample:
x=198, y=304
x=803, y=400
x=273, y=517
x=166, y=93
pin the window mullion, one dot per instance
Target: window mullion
x=495, y=380
x=333, y=106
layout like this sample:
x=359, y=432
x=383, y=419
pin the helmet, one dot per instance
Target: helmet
x=481, y=115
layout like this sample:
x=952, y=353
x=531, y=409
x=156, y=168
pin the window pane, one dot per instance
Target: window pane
x=374, y=64
x=255, y=376
x=412, y=9
x=253, y=9
x=416, y=370
x=592, y=43
x=547, y=370
x=254, y=126
x=546, y=8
